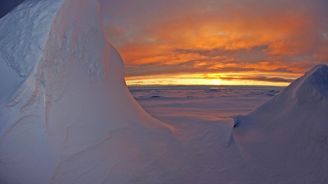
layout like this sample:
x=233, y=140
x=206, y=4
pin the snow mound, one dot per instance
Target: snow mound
x=66, y=115
x=286, y=139
x=313, y=86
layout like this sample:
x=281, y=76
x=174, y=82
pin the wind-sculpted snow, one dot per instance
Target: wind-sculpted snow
x=66, y=115
x=286, y=139
x=23, y=36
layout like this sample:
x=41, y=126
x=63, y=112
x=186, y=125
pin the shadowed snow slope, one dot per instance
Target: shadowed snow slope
x=286, y=140
x=66, y=115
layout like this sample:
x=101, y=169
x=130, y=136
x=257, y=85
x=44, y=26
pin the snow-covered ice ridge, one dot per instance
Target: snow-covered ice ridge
x=286, y=139
x=66, y=115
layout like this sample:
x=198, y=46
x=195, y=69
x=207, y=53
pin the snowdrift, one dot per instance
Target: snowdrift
x=286, y=139
x=66, y=115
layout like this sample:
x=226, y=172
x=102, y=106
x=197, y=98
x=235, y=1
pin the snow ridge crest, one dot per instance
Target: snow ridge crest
x=313, y=86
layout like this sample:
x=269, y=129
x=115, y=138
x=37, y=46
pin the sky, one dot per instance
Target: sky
x=214, y=42
x=7, y=5
x=217, y=42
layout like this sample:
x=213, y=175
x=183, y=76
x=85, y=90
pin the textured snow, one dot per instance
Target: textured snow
x=22, y=40
x=286, y=139
x=66, y=115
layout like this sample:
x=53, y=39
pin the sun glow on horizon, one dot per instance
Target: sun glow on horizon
x=202, y=80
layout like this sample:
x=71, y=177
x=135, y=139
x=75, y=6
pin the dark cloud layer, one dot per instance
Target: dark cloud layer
x=259, y=78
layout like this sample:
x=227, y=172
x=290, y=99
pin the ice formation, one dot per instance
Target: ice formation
x=66, y=115
x=286, y=139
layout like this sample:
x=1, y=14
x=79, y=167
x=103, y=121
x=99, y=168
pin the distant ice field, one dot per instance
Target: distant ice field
x=201, y=102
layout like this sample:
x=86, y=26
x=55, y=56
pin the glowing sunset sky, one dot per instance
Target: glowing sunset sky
x=227, y=42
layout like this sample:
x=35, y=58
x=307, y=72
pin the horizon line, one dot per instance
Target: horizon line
x=202, y=85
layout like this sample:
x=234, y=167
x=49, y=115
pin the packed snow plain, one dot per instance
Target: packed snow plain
x=206, y=103
x=67, y=117
x=202, y=116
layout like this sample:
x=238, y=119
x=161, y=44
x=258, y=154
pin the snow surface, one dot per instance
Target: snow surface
x=204, y=103
x=286, y=139
x=67, y=117
x=202, y=118
x=283, y=141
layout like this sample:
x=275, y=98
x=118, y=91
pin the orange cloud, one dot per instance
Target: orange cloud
x=244, y=40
